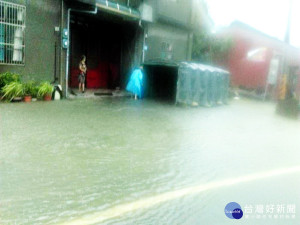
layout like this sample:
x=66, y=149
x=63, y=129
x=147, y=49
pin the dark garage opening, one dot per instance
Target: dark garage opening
x=161, y=82
x=109, y=43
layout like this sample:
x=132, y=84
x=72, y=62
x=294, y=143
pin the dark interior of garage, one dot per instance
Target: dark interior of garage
x=161, y=82
x=109, y=43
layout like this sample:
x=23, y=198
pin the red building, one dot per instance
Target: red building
x=257, y=59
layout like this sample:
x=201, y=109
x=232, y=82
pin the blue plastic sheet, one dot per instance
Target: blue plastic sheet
x=135, y=84
x=200, y=84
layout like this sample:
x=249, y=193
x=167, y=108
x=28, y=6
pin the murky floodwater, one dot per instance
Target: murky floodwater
x=119, y=161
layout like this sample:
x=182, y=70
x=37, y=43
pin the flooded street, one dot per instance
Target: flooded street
x=119, y=161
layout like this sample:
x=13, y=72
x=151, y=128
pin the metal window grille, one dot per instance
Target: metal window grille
x=12, y=33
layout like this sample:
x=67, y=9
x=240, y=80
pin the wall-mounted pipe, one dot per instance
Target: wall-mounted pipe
x=145, y=35
x=68, y=49
x=55, y=62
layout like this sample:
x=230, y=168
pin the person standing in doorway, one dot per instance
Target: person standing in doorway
x=82, y=74
x=135, y=84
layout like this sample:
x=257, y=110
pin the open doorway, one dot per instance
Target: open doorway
x=161, y=82
x=112, y=46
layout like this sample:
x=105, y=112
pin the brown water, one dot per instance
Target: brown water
x=119, y=161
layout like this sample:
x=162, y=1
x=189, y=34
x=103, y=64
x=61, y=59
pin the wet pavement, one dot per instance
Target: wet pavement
x=120, y=161
x=96, y=93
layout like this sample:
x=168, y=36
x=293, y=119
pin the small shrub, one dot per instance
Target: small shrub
x=45, y=88
x=35, y=91
x=29, y=88
x=7, y=78
x=13, y=90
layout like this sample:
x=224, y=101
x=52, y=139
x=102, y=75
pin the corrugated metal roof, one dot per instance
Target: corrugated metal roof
x=118, y=8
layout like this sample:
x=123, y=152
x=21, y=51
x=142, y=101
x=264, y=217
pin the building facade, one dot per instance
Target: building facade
x=44, y=40
x=39, y=45
x=257, y=61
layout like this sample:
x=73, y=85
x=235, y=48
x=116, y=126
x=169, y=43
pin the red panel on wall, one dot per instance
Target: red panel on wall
x=93, y=79
x=105, y=75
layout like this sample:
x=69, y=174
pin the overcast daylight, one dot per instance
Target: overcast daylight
x=149, y=112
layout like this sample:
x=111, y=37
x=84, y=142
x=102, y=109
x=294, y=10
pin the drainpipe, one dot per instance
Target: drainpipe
x=144, y=40
x=144, y=45
x=68, y=49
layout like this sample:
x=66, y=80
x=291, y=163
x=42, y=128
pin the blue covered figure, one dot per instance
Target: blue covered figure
x=135, y=84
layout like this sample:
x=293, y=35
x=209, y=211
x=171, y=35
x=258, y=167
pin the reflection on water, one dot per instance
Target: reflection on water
x=71, y=160
x=120, y=210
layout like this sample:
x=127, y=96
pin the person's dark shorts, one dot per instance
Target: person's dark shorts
x=81, y=78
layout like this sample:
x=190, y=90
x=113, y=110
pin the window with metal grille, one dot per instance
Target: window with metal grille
x=12, y=33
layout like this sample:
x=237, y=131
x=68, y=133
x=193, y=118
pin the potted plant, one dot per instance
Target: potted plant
x=34, y=93
x=7, y=78
x=45, y=91
x=13, y=91
x=28, y=90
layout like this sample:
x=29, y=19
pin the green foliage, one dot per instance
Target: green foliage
x=7, y=78
x=35, y=91
x=30, y=88
x=45, y=88
x=208, y=48
x=12, y=87
x=13, y=90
